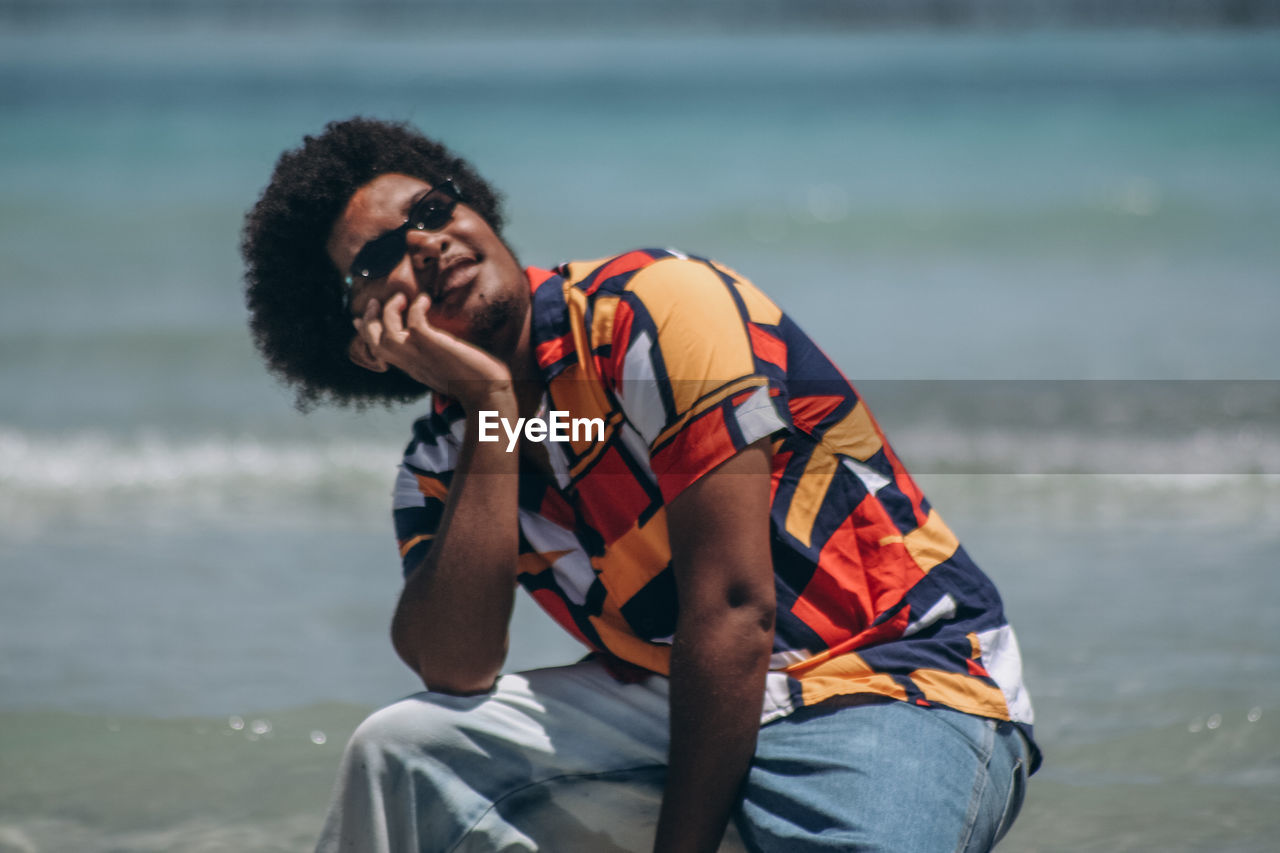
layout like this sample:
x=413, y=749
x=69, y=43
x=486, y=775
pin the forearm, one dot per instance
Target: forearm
x=718, y=666
x=451, y=623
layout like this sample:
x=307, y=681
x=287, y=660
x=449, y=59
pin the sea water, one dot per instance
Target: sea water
x=1048, y=260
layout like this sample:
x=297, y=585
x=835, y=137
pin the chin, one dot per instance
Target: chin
x=495, y=324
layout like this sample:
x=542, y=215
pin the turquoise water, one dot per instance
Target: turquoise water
x=195, y=580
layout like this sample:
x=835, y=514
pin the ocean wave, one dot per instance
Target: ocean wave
x=94, y=462
x=1199, y=455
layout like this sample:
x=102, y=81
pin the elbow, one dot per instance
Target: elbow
x=454, y=679
x=756, y=632
x=443, y=673
x=739, y=624
x=751, y=610
x=754, y=605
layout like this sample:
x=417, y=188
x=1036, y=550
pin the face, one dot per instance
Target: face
x=477, y=289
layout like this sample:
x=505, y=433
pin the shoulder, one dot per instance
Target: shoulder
x=688, y=313
x=619, y=273
x=666, y=281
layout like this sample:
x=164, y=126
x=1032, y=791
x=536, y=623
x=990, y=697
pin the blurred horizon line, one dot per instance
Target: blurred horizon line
x=694, y=16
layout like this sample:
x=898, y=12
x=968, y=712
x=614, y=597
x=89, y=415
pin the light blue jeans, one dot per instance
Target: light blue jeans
x=567, y=759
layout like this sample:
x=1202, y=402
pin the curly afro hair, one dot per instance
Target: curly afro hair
x=293, y=293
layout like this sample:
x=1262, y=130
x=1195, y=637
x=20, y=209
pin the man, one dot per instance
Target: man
x=784, y=634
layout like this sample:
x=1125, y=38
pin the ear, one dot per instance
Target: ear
x=360, y=353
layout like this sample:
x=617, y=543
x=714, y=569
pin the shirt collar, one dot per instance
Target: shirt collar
x=550, y=331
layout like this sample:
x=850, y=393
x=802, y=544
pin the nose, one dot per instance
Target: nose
x=422, y=246
x=416, y=270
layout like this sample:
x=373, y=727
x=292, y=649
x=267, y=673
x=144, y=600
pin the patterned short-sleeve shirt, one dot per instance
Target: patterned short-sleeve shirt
x=686, y=363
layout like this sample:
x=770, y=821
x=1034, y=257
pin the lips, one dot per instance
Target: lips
x=451, y=278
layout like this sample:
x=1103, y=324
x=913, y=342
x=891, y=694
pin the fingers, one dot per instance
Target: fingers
x=393, y=320
x=416, y=319
x=383, y=325
x=369, y=326
x=399, y=333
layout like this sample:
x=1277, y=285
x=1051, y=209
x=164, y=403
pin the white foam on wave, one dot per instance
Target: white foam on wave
x=96, y=480
x=94, y=462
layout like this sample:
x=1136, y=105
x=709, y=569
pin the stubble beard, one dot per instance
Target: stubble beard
x=498, y=324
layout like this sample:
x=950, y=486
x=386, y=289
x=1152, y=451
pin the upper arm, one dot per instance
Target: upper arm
x=720, y=539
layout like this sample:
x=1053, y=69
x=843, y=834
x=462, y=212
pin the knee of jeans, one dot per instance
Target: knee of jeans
x=419, y=722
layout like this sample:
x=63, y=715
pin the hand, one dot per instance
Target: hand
x=439, y=360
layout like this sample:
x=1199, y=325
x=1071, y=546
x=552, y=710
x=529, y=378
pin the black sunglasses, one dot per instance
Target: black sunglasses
x=380, y=255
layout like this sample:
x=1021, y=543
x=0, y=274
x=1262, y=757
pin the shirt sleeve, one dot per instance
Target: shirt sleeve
x=422, y=484
x=699, y=367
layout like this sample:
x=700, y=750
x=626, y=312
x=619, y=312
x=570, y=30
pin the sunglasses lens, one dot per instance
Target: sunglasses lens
x=432, y=213
x=379, y=257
